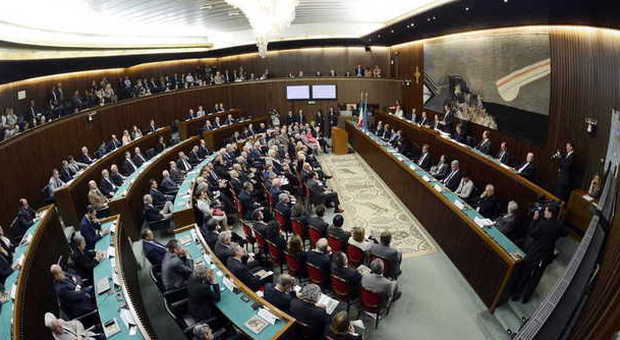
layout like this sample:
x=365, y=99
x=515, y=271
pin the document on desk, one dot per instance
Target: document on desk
x=426, y=178
x=111, y=251
x=267, y=316
x=127, y=317
x=330, y=304
x=262, y=274
x=459, y=204
x=228, y=284
x=437, y=187
x=483, y=222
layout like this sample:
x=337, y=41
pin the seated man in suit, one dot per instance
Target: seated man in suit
x=320, y=256
x=241, y=269
x=459, y=135
x=153, y=250
x=281, y=294
x=67, y=330
x=528, y=169
x=75, y=299
x=317, y=222
x=6, y=258
x=90, y=228
x=305, y=308
x=114, y=143
x=152, y=214
x=66, y=173
x=183, y=162
x=203, y=292
x=485, y=144
x=160, y=200
x=508, y=222
x=424, y=161
x=322, y=194
x=454, y=177
x=168, y=185
x=176, y=174
x=341, y=269
x=248, y=202
x=223, y=247
x=377, y=283
x=503, y=156
x=384, y=251
x=194, y=156
x=138, y=158
x=336, y=231
x=85, y=157
x=116, y=176
x=203, y=150
x=95, y=197
x=24, y=219
x=487, y=204
x=284, y=206
x=107, y=185
x=128, y=164
x=175, y=266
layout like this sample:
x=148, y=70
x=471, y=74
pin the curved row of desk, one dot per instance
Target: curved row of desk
x=484, y=256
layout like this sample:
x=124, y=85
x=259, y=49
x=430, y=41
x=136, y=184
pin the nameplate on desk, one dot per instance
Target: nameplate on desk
x=267, y=316
x=426, y=178
x=111, y=251
x=228, y=284
x=13, y=291
x=483, y=222
x=412, y=166
x=102, y=285
x=459, y=204
x=505, y=166
x=438, y=187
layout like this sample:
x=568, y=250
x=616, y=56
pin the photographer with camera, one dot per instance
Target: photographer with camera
x=539, y=246
x=565, y=171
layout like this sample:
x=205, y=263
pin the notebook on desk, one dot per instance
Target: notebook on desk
x=102, y=285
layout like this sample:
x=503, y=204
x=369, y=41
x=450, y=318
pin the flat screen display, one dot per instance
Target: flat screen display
x=323, y=91
x=298, y=92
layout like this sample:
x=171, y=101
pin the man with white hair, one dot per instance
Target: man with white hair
x=168, y=185
x=454, y=177
x=67, y=330
x=507, y=223
x=377, y=283
x=74, y=298
x=152, y=214
x=487, y=205
x=320, y=256
x=239, y=265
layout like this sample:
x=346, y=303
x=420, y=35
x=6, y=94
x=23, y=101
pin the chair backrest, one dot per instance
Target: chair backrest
x=304, y=330
x=315, y=274
x=340, y=286
x=335, y=244
x=247, y=230
x=298, y=228
x=314, y=234
x=274, y=252
x=355, y=255
x=294, y=267
x=370, y=300
x=262, y=244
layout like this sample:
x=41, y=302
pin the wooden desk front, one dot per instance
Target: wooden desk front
x=72, y=199
x=485, y=265
x=215, y=139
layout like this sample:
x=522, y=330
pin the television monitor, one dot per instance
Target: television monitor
x=323, y=92
x=298, y=92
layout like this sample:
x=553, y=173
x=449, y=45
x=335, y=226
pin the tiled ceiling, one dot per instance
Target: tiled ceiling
x=185, y=23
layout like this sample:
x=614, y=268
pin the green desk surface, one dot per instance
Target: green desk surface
x=110, y=303
x=493, y=233
x=7, y=308
x=183, y=198
x=122, y=190
x=231, y=305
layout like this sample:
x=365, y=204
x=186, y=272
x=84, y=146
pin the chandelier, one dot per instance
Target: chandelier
x=267, y=18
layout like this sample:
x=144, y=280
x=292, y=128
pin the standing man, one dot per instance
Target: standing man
x=566, y=172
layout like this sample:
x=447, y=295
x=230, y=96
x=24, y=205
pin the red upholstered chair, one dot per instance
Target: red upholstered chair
x=250, y=238
x=238, y=207
x=315, y=235
x=335, y=244
x=275, y=254
x=295, y=268
x=299, y=229
x=316, y=275
x=342, y=290
x=372, y=302
x=355, y=255
x=387, y=265
x=262, y=243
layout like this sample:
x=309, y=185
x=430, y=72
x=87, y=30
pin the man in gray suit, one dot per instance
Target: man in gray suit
x=379, y=284
x=175, y=267
x=384, y=251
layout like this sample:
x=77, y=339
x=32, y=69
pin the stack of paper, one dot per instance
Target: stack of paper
x=330, y=304
x=266, y=315
x=437, y=187
x=483, y=222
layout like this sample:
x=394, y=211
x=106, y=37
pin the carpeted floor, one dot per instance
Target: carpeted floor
x=370, y=204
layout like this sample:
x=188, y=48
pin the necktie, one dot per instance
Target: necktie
x=422, y=159
x=449, y=177
x=501, y=156
x=523, y=167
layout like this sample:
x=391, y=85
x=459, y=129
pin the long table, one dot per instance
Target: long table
x=72, y=198
x=483, y=168
x=231, y=304
x=182, y=210
x=217, y=138
x=485, y=257
x=117, y=300
x=30, y=289
x=127, y=201
x=190, y=127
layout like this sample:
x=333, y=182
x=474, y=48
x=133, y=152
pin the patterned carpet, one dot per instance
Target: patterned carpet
x=368, y=202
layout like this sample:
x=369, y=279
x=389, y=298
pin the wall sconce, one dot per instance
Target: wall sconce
x=591, y=124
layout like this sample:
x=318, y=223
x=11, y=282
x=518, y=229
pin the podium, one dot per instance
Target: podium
x=340, y=141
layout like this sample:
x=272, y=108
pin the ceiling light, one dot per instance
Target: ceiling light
x=267, y=18
x=467, y=8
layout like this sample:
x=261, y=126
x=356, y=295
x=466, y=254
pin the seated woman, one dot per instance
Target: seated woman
x=310, y=140
x=341, y=329
x=204, y=204
x=295, y=248
x=441, y=169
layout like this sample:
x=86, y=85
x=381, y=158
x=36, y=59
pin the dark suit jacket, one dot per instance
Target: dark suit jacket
x=84, y=263
x=138, y=161
x=350, y=275
x=128, y=169
x=5, y=267
x=277, y=298
x=505, y=158
x=82, y=159
x=223, y=252
x=242, y=273
x=315, y=317
x=322, y=261
x=168, y=185
x=65, y=174
x=453, y=182
x=318, y=223
x=200, y=297
x=154, y=251
x=507, y=224
x=484, y=147
x=107, y=186
x=488, y=206
x=151, y=214
x=72, y=301
x=529, y=172
x=90, y=232
x=425, y=163
x=566, y=170
x=338, y=233
x=541, y=239
x=117, y=179
x=175, y=271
